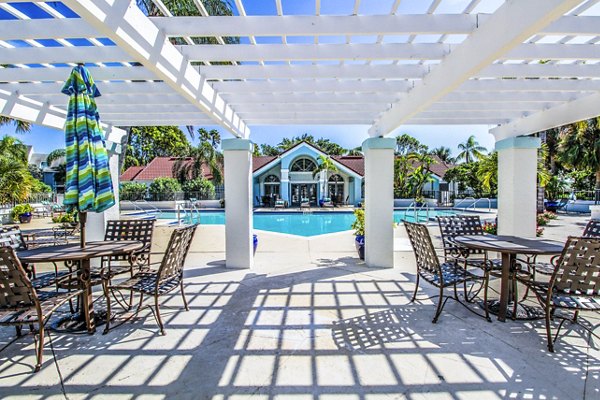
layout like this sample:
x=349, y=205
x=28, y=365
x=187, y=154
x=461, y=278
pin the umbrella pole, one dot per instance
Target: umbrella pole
x=82, y=221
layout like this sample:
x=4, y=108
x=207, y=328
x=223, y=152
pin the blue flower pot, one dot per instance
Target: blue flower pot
x=25, y=218
x=359, y=243
x=254, y=243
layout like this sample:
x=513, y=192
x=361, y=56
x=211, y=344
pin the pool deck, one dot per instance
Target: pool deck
x=309, y=321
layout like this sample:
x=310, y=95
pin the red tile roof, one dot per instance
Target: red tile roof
x=260, y=161
x=130, y=173
x=162, y=167
x=353, y=163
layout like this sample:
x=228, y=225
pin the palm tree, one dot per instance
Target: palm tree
x=443, y=153
x=15, y=180
x=20, y=125
x=470, y=150
x=55, y=155
x=325, y=164
x=203, y=155
x=580, y=146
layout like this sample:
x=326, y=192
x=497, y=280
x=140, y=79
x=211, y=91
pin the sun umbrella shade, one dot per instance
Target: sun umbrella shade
x=88, y=185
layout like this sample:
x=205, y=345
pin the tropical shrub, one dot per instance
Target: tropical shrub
x=40, y=187
x=542, y=220
x=64, y=218
x=359, y=224
x=200, y=188
x=21, y=209
x=133, y=191
x=490, y=228
x=550, y=215
x=164, y=188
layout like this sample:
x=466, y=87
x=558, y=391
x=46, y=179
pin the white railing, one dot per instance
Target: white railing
x=149, y=212
x=191, y=216
x=475, y=201
x=416, y=208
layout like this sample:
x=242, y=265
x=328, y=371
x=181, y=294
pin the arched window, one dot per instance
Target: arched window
x=303, y=165
x=272, y=186
x=336, y=179
x=271, y=179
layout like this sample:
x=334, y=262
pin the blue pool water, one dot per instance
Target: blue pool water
x=309, y=224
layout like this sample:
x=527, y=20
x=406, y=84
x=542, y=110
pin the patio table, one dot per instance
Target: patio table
x=75, y=253
x=509, y=247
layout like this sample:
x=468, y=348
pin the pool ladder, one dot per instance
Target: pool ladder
x=475, y=201
x=183, y=215
x=417, y=211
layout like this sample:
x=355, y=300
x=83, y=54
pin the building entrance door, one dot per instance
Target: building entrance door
x=302, y=191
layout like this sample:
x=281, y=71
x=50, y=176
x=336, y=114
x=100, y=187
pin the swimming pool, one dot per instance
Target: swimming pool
x=302, y=224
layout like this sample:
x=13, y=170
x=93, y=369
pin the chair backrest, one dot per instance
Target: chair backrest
x=11, y=236
x=15, y=288
x=578, y=267
x=131, y=229
x=459, y=225
x=177, y=250
x=592, y=229
x=419, y=237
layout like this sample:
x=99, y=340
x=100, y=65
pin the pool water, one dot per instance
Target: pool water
x=303, y=224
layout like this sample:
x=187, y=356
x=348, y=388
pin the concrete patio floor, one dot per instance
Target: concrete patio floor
x=310, y=321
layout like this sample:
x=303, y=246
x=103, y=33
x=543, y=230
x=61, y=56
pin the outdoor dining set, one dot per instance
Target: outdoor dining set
x=572, y=281
x=29, y=298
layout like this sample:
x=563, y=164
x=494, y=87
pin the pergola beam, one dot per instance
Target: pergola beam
x=17, y=106
x=60, y=74
x=292, y=25
x=505, y=30
x=126, y=25
x=566, y=113
x=294, y=52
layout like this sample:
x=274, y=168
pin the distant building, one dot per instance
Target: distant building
x=289, y=176
x=159, y=167
x=48, y=171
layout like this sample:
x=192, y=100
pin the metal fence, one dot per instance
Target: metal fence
x=176, y=196
x=33, y=198
x=588, y=195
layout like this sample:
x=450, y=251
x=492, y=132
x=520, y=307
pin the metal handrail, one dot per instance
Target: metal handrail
x=154, y=213
x=416, y=211
x=475, y=201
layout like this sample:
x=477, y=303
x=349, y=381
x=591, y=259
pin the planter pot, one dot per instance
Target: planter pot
x=25, y=218
x=595, y=210
x=254, y=243
x=359, y=243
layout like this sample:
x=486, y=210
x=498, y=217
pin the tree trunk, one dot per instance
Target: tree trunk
x=598, y=179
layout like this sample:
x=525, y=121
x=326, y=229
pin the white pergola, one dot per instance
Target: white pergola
x=519, y=66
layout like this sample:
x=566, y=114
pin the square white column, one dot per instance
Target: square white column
x=95, y=226
x=238, y=203
x=379, y=202
x=517, y=186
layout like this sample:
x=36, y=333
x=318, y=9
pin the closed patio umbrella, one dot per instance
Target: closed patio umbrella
x=88, y=185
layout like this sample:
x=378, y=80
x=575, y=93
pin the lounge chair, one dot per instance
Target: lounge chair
x=327, y=203
x=279, y=203
x=304, y=203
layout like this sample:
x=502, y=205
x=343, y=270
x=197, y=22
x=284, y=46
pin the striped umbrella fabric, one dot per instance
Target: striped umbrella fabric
x=88, y=185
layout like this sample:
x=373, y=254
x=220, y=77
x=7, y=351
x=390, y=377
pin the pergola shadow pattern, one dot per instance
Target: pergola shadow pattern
x=319, y=333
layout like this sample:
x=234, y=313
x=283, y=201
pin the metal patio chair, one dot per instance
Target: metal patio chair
x=573, y=286
x=21, y=304
x=440, y=274
x=156, y=282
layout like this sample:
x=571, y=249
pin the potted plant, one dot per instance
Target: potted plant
x=359, y=232
x=23, y=212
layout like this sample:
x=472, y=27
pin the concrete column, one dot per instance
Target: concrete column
x=379, y=202
x=517, y=183
x=284, y=188
x=96, y=222
x=238, y=203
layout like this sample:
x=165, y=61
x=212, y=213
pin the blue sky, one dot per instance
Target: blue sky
x=44, y=139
